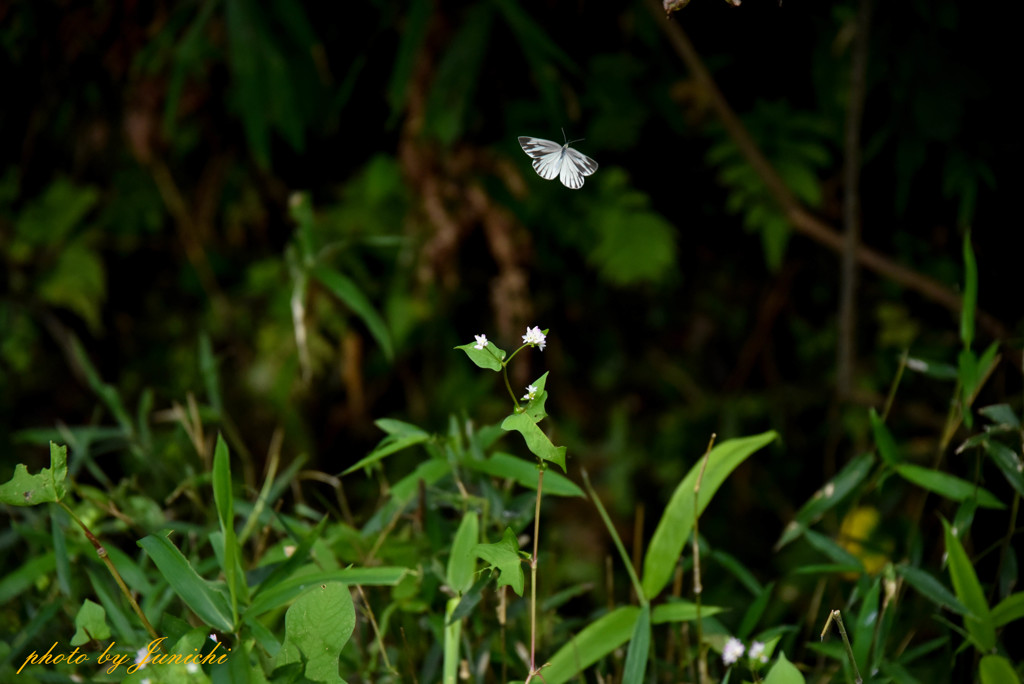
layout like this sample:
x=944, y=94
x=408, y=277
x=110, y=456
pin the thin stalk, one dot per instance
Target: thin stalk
x=698, y=589
x=838, y=617
x=534, y=670
x=102, y=553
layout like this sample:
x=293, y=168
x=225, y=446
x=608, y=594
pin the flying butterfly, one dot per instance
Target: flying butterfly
x=551, y=159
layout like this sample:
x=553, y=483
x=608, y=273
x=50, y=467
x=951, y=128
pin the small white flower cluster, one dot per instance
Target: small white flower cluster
x=535, y=336
x=734, y=649
x=481, y=341
x=531, y=392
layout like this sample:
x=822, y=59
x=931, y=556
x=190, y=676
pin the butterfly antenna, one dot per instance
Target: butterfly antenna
x=570, y=142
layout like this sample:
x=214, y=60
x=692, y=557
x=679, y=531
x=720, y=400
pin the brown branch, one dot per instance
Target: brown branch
x=802, y=220
x=846, y=350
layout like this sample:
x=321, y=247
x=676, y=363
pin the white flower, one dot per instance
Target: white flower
x=733, y=651
x=142, y=657
x=481, y=341
x=191, y=668
x=213, y=637
x=757, y=653
x=531, y=392
x=535, y=336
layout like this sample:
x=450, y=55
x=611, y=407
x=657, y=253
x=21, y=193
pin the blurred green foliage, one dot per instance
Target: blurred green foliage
x=277, y=219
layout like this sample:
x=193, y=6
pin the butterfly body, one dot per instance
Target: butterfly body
x=551, y=159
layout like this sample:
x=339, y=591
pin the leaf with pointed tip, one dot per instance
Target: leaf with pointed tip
x=505, y=556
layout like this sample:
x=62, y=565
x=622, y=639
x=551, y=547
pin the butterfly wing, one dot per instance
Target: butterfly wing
x=575, y=166
x=547, y=155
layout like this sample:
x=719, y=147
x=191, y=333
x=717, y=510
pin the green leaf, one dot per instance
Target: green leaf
x=949, y=486
x=389, y=445
x=505, y=556
x=676, y=610
x=865, y=626
x=78, y=283
x=90, y=623
x=970, y=297
x=317, y=626
x=536, y=441
x=279, y=594
x=198, y=594
x=452, y=634
x=832, y=550
x=1009, y=609
x=931, y=588
x=224, y=500
x=677, y=520
x=933, y=369
x=968, y=589
x=457, y=75
x=399, y=428
x=525, y=473
x=462, y=561
x=46, y=486
x=995, y=669
x=594, y=642
x=633, y=246
x=1008, y=462
x=347, y=291
x=784, y=672
x=883, y=440
x=754, y=612
x=1002, y=416
x=834, y=491
x=50, y=218
x=411, y=37
x=490, y=357
x=635, y=668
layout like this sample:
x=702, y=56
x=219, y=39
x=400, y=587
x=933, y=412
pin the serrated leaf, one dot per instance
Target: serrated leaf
x=505, y=556
x=46, y=486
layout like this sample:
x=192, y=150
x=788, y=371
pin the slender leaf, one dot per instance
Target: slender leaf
x=348, y=292
x=639, y=647
x=198, y=594
x=462, y=561
x=949, y=486
x=594, y=642
x=677, y=520
x=968, y=589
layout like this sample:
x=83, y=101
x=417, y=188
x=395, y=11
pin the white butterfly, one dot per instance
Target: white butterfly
x=551, y=159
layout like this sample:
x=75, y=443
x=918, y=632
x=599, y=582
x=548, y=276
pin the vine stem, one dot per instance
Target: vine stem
x=534, y=670
x=102, y=553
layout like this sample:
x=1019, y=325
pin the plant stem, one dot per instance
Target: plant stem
x=102, y=553
x=698, y=589
x=533, y=577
